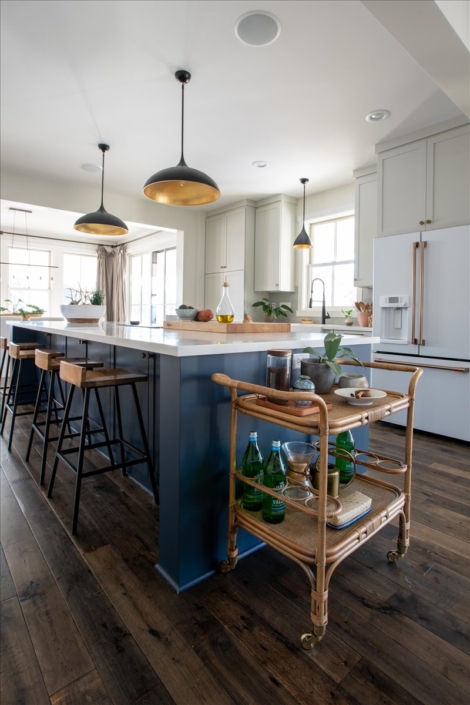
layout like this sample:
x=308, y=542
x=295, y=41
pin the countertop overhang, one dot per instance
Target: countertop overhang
x=186, y=343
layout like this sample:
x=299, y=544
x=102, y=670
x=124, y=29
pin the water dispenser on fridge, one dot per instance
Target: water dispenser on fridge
x=394, y=319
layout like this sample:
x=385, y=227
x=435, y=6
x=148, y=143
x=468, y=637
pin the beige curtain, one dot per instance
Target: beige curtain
x=112, y=269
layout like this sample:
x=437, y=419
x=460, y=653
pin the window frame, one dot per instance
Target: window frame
x=29, y=250
x=142, y=254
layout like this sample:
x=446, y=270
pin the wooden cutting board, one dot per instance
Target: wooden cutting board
x=214, y=327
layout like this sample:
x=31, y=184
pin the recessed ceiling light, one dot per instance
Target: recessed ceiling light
x=377, y=115
x=90, y=167
x=260, y=165
x=257, y=28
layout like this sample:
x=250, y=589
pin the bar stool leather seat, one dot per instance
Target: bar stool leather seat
x=80, y=377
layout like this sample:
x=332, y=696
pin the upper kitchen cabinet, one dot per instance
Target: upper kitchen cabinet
x=365, y=224
x=424, y=185
x=230, y=235
x=275, y=233
x=225, y=241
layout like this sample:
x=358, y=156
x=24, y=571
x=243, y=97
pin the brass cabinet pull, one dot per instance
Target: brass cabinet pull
x=414, y=246
x=422, y=246
x=420, y=364
x=421, y=222
x=428, y=221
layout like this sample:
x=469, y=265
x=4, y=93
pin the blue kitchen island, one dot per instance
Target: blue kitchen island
x=187, y=419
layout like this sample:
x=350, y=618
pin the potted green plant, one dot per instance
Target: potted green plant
x=323, y=370
x=348, y=321
x=271, y=311
x=84, y=307
x=26, y=312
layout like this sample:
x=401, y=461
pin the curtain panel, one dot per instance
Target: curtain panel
x=112, y=270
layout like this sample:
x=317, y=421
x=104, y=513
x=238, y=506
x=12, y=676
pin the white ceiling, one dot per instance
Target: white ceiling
x=77, y=73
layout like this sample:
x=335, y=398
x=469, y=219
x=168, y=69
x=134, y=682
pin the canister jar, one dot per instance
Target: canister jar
x=303, y=384
x=278, y=372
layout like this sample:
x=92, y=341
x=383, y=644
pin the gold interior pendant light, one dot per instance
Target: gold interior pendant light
x=302, y=241
x=181, y=185
x=101, y=222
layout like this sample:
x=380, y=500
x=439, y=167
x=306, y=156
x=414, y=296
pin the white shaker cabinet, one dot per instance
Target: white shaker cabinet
x=274, y=237
x=225, y=241
x=365, y=224
x=230, y=235
x=425, y=184
x=236, y=291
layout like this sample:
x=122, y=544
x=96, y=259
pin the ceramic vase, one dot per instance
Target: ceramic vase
x=303, y=384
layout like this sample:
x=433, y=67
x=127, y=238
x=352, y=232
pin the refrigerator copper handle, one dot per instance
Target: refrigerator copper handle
x=415, y=245
x=422, y=245
x=419, y=364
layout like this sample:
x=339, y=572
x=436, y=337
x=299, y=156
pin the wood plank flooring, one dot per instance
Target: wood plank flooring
x=88, y=620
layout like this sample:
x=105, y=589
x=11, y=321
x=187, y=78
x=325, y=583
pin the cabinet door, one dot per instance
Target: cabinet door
x=448, y=179
x=215, y=244
x=235, y=239
x=267, y=251
x=213, y=293
x=402, y=189
x=365, y=228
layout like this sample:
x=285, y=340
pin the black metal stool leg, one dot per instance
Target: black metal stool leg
x=146, y=445
x=81, y=452
x=61, y=439
x=47, y=426
x=5, y=352
x=15, y=404
x=62, y=399
x=42, y=384
x=104, y=427
x=119, y=420
x=4, y=391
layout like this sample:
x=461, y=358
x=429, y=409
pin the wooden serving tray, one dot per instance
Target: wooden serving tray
x=214, y=327
x=291, y=407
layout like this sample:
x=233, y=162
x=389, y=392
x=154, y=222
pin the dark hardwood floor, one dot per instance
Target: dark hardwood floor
x=88, y=620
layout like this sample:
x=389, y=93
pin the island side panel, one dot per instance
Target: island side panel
x=194, y=459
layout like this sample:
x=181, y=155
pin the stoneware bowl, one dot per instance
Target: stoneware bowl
x=186, y=314
x=84, y=314
x=352, y=379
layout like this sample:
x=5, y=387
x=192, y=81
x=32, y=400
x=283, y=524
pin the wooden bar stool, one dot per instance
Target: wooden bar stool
x=18, y=353
x=48, y=361
x=4, y=387
x=80, y=377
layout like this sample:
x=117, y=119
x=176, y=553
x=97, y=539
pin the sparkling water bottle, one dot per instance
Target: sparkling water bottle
x=252, y=467
x=345, y=441
x=274, y=477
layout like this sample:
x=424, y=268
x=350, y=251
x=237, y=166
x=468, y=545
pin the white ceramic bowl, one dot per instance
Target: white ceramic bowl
x=348, y=395
x=186, y=314
x=82, y=314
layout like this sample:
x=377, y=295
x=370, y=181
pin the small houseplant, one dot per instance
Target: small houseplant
x=323, y=370
x=84, y=307
x=27, y=311
x=348, y=321
x=271, y=311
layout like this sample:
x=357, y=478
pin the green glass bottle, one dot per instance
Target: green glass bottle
x=345, y=441
x=252, y=467
x=274, y=477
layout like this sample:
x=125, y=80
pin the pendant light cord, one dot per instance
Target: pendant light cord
x=102, y=183
x=303, y=221
x=182, y=125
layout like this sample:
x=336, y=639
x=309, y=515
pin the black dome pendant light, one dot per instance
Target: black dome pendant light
x=181, y=185
x=101, y=222
x=302, y=241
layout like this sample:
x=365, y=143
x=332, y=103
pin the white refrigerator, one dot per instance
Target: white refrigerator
x=422, y=316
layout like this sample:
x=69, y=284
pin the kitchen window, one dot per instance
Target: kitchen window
x=152, y=290
x=332, y=260
x=29, y=277
x=79, y=271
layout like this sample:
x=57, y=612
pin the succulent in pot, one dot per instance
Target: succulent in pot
x=323, y=369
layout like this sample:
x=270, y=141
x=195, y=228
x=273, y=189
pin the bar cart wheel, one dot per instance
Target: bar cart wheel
x=309, y=640
x=224, y=567
x=394, y=556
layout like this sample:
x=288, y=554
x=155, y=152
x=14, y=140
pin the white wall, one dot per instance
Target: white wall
x=189, y=224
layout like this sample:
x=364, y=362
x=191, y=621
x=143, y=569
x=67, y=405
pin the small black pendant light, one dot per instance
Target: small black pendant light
x=181, y=185
x=101, y=222
x=302, y=241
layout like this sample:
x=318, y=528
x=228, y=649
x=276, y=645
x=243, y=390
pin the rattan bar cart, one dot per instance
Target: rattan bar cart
x=304, y=535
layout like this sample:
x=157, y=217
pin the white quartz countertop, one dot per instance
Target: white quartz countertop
x=187, y=343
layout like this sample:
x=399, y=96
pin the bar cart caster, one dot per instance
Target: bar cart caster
x=394, y=556
x=309, y=640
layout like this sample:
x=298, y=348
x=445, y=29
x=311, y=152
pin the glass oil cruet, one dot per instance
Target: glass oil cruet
x=224, y=311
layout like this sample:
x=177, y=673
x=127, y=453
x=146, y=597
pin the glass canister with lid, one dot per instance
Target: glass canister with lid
x=278, y=372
